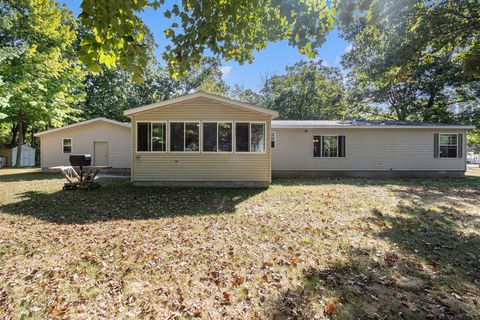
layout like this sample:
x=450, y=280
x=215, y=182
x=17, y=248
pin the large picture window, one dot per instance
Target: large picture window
x=151, y=136
x=329, y=146
x=258, y=137
x=448, y=145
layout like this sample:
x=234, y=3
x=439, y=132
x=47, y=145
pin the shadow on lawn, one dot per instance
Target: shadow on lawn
x=120, y=200
x=14, y=175
x=431, y=272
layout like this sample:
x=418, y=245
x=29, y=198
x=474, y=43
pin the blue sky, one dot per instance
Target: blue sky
x=270, y=61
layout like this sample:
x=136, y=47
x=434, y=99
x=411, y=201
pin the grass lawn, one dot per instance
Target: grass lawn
x=301, y=249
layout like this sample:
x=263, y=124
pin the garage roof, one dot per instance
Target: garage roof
x=123, y=124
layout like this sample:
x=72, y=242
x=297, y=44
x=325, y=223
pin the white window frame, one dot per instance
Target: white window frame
x=151, y=136
x=273, y=134
x=321, y=145
x=217, y=122
x=200, y=137
x=447, y=145
x=264, y=137
x=250, y=137
x=71, y=145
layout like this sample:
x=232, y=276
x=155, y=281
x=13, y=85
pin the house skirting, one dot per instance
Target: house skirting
x=204, y=184
x=366, y=174
x=120, y=171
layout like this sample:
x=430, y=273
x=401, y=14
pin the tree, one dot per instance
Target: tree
x=228, y=29
x=39, y=70
x=404, y=57
x=308, y=90
x=247, y=95
x=109, y=93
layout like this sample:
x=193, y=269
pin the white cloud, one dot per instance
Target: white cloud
x=225, y=71
x=325, y=63
x=348, y=48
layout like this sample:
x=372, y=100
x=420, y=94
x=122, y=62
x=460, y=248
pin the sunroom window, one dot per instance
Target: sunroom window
x=217, y=136
x=151, y=136
x=242, y=136
x=258, y=137
x=184, y=136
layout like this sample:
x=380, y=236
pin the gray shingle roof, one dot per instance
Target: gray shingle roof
x=360, y=123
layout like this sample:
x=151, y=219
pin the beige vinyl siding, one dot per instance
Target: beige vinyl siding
x=366, y=149
x=83, y=138
x=201, y=166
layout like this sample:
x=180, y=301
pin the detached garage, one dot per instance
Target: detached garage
x=108, y=141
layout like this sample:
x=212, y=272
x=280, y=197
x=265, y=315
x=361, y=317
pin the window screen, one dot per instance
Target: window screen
x=177, y=136
x=225, y=136
x=258, y=137
x=192, y=136
x=209, y=136
x=143, y=136
x=242, y=137
x=159, y=137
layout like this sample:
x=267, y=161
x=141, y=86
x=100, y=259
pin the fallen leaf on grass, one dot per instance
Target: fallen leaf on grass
x=330, y=308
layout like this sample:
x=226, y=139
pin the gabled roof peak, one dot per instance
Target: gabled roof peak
x=201, y=94
x=123, y=124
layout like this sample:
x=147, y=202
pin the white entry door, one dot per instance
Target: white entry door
x=101, y=153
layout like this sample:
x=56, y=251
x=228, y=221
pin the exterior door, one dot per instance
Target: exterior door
x=101, y=153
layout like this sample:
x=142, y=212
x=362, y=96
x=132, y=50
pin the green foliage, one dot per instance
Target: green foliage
x=414, y=58
x=109, y=93
x=228, y=29
x=40, y=77
x=307, y=90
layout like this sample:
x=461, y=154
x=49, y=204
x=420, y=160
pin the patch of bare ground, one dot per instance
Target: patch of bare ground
x=301, y=249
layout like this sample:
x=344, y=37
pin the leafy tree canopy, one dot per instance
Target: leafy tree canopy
x=40, y=78
x=417, y=58
x=227, y=29
x=307, y=90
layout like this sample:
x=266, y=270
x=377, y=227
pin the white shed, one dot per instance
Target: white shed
x=10, y=154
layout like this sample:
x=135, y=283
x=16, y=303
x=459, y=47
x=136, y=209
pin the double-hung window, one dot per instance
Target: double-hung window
x=217, y=136
x=273, y=139
x=67, y=145
x=448, y=145
x=250, y=137
x=329, y=146
x=151, y=136
x=184, y=136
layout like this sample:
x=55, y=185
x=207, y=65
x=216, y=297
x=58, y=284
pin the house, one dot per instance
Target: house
x=206, y=140
x=201, y=140
x=108, y=141
x=9, y=153
x=367, y=149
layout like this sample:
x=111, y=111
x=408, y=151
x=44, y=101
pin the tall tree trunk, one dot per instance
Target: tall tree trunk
x=14, y=132
x=20, y=140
